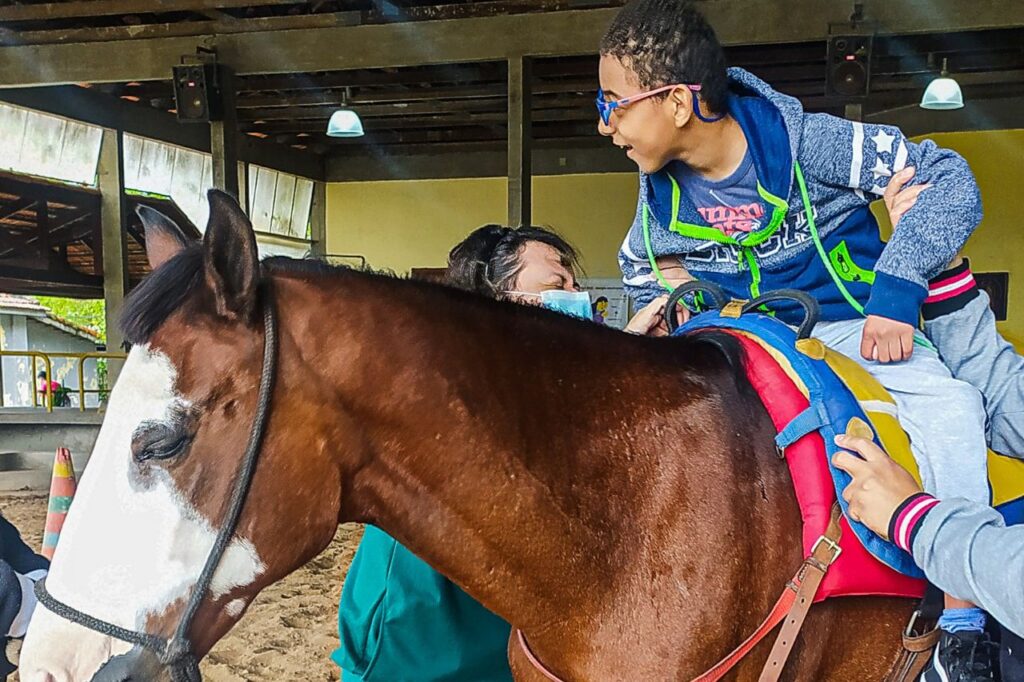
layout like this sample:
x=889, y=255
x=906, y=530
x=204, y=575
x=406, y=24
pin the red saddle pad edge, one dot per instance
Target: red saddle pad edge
x=856, y=572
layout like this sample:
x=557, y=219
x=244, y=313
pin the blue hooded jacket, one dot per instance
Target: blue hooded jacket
x=846, y=165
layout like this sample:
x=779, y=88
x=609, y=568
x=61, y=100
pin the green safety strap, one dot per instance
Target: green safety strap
x=817, y=242
x=779, y=209
x=650, y=251
x=918, y=339
x=755, y=271
x=698, y=297
x=689, y=229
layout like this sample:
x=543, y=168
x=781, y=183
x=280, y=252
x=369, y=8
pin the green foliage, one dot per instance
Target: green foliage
x=88, y=313
x=103, y=379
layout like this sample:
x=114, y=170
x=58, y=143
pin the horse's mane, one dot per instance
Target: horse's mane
x=161, y=293
x=166, y=289
x=317, y=267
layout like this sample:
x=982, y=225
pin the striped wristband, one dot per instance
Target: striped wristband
x=950, y=291
x=907, y=519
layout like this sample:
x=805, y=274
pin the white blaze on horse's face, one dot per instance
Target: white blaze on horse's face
x=128, y=550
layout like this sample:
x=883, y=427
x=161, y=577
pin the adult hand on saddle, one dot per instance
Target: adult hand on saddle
x=898, y=200
x=886, y=340
x=879, y=484
x=650, y=321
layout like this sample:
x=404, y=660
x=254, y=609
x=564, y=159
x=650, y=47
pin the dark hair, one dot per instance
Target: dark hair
x=666, y=42
x=490, y=258
x=161, y=293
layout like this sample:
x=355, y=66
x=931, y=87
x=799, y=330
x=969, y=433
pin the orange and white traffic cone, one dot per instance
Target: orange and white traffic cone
x=62, y=491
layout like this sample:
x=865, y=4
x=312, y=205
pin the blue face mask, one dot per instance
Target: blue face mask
x=575, y=303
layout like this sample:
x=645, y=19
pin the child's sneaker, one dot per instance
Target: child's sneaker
x=967, y=656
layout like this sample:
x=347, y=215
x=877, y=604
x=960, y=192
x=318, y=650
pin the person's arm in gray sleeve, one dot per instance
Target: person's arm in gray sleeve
x=961, y=324
x=965, y=548
x=967, y=551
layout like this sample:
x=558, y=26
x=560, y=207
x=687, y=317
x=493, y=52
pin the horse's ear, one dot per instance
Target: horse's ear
x=164, y=239
x=231, y=259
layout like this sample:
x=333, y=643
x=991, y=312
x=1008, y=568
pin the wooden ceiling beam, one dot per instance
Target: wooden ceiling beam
x=993, y=114
x=218, y=15
x=77, y=9
x=36, y=189
x=220, y=26
x=565, y=129
x=17, y=207
x=414, y=75
x=50, y=235
x=541, y=34
x=21, y=280
x=455, y=120
x=369, y=111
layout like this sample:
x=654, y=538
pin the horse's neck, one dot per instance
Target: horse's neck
x=536, y=483
x=476, y=462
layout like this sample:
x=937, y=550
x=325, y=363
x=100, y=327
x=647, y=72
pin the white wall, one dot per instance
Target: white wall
x=48, y=339
x=16, y=386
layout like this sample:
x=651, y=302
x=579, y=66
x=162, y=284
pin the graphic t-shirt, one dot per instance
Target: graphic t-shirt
x=731, y=205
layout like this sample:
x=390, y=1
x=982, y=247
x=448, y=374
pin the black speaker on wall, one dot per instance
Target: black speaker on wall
x=849, y=66
x=197, y=93
x=997, y=286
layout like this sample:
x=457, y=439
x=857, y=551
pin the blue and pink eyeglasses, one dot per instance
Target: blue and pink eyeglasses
x=605, y=108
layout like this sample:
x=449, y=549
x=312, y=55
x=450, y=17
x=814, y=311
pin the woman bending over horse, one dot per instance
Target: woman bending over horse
x=399, y=619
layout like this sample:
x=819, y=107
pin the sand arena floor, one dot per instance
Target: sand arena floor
x=288, y=632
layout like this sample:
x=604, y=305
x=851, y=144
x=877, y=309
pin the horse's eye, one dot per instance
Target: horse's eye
x=158, y=440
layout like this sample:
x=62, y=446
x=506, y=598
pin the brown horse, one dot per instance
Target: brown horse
x=617, y=498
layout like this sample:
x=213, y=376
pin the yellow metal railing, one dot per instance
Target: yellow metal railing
x=47, y=360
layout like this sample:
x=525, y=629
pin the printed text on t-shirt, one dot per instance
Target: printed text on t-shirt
x=732, y=219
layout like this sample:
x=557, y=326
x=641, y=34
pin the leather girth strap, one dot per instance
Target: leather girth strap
x=916, y=654
x=806, y=582
x=792, y=606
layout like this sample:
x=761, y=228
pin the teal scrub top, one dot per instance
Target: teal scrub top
x=399, y=620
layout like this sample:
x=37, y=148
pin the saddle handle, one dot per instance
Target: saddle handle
x=812, y=311
x=718, y=297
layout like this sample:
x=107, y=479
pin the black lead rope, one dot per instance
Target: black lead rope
x=64, y=611
x=176, y=654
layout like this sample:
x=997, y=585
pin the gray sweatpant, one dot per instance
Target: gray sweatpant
x=974, y=351
x=944, y=417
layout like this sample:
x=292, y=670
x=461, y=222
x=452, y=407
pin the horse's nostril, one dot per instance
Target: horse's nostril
x=117, y=669
x=137, y=665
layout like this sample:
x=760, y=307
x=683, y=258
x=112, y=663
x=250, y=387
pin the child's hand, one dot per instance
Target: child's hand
x=898, y=200
x=886, y=340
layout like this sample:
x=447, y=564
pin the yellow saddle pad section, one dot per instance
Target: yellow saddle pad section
x=1005, y=474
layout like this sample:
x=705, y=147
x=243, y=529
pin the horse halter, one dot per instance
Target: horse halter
x=175, y=654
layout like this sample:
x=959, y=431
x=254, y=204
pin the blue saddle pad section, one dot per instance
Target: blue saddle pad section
x=1012, y=511
x=832, y=405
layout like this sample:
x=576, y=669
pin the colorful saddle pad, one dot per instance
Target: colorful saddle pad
x=811, y=393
